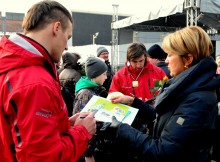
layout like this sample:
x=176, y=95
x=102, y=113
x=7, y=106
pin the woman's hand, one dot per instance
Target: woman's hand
x=124, y=99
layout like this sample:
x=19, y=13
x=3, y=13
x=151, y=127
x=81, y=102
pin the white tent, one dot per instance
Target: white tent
x=210, y=6
x=87, y=51
x=209, y=17
x=153, y=11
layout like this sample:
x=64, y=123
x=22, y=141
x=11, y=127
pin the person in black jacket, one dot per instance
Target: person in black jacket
x=68, y=78
x=103, y=53
x=186, y=106
x=216, y=145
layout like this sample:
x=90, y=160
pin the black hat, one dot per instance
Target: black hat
x=94, y=67
x=100, y=50
x=156, y=52
x=70, y=59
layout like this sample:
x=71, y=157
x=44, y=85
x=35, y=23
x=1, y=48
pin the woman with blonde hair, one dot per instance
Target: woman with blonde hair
x=186, y=106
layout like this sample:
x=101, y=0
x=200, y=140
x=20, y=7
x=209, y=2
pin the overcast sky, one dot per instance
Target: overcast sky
x=125, y=8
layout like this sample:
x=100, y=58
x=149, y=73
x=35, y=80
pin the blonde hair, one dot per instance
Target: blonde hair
x=189, y=40
x=217, y=58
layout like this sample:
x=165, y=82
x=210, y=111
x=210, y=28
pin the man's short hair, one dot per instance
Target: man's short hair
x=43, y=13
x=136, y=50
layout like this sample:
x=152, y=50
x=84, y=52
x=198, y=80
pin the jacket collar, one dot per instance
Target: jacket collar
x=196, y=78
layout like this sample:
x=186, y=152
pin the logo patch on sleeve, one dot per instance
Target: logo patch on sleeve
x=44, y=113
x=180, y=121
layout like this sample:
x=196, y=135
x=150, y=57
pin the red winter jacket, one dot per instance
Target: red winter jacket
x=34, y=121
x=122, y=81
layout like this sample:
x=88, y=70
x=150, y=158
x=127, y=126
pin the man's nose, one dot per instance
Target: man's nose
x=138, y=65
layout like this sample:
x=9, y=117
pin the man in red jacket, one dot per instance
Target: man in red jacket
x=34, y=120
x=138, y=76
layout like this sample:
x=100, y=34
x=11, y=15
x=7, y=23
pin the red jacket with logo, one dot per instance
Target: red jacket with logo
x=122, y=81
x=34, y=120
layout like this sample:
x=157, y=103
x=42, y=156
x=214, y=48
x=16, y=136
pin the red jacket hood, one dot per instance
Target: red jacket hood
x=10, y=51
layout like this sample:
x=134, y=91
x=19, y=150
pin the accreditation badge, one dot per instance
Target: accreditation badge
x=135, y=83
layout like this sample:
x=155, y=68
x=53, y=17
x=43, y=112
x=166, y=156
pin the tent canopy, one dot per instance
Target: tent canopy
x=170, y=15
x=210, y=10
x=165, y=8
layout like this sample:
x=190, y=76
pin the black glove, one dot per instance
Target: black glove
x=109, y=129
x=96, y=142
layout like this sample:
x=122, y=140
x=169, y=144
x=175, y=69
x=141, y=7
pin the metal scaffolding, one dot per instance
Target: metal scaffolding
x=193, y=15
x=114, y=48
x=192, y=8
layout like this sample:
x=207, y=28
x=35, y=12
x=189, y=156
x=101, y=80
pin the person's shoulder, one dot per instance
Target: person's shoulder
x=123, y=70
x=69, y=74
x=85, y=93
x=161, y=64
x=204, y=100
x=156, y=68
x=37, y=74
x=152, y=67
x=34, y=79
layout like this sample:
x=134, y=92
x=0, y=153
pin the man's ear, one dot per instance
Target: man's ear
x=56, y=27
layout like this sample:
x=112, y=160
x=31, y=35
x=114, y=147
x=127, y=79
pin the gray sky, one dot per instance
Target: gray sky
x=126, y=7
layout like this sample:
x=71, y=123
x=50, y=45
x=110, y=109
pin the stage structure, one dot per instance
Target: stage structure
x=114, y=42
x=192, y=10
x=170, y=16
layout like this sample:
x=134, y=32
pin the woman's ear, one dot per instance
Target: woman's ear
x=189, y=60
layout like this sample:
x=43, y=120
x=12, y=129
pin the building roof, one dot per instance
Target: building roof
x=11, y=25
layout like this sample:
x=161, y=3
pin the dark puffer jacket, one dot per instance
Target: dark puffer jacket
x=68, y=78
x=187, y=113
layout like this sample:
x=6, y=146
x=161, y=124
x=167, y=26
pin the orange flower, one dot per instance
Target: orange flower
x=158, y=85
x=165, y=78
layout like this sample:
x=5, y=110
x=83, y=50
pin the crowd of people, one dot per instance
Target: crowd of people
x=41, y=106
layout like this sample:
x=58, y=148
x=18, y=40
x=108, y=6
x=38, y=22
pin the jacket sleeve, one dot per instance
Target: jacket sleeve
x=191, y=126
x=146, y=111
x=41, y=129
x=81, y=99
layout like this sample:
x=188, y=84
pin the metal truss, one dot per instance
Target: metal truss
x=151, y=28
x=192, y=8
x=114, y=48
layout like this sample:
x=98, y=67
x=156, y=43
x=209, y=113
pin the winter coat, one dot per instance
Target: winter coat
x=122, y=81
x=70, y=75
x=34, y=120
x=186, y=116
x=85, y=89
x=110, y=75
x=216, y=146
x=68, y=78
